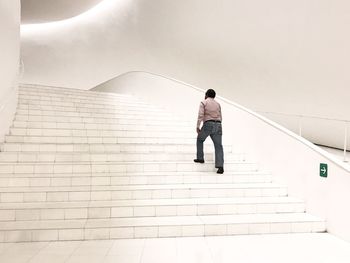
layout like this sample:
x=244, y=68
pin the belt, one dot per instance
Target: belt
x=213, y=121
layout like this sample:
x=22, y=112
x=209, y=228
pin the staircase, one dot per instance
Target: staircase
x=80, y=165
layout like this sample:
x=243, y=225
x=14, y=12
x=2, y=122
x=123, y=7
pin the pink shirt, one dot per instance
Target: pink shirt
x=209, y=109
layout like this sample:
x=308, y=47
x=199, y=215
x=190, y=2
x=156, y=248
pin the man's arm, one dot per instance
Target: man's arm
x=200, y=116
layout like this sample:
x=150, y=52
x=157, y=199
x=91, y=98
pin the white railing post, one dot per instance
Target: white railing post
x=345, y=140
x=300, y=126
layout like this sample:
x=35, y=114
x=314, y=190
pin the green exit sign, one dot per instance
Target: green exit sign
x=323, y=170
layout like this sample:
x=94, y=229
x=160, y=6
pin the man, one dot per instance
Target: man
x=210, y=114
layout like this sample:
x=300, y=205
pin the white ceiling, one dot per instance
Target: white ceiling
x=41, y=11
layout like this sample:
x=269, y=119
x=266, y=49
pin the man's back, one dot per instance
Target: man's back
x=209, y=109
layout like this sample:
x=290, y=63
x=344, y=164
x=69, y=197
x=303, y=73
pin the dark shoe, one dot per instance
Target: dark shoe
x=220, y=170
x=198, y=161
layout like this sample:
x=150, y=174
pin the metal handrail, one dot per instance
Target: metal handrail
x=301, y=116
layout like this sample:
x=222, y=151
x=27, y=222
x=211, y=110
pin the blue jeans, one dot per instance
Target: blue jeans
x=214, y=130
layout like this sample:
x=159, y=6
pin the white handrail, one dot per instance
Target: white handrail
x=302, y=116
x=258, y=116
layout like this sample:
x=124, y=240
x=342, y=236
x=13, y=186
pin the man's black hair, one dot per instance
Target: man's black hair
x=210, y=93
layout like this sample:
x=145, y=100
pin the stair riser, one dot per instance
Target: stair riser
x=146, y=211
x=34, y=92
x=119, y=168
x=78, y=180
x=33, y=98
x=101, y=127
x=159, y=231
x=32, y=110
x=26, y=97
x=55, y=94
x=52, y=104
x=65, y=196
x=108, y=148
x=80, y=157
x=91, y=117
x=102, y=133
x=118, y=120
x=100, y=140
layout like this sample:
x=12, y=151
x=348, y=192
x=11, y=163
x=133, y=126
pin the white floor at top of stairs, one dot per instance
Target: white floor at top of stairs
x=286, y=248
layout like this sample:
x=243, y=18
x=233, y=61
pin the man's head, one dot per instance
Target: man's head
x=210, y=93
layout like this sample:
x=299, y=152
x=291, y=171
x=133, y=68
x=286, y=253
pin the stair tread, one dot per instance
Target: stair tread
x=161, y=221
x=162, y=173
x=52, y=89
x=151, y=202
x=142, y=187
x=105, y=152
x=122, y=162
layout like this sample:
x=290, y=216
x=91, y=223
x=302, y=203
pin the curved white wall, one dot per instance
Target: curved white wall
x=9, y=61
x=282, y=56
x=40, y=11
x=85, y=50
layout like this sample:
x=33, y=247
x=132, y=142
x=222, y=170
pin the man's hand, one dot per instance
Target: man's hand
x=198, y=130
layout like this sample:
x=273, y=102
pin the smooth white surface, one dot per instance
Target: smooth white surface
x=41, y=11
x=278, y=56
x=293, y=161
x=289, y=248
x=9, y=61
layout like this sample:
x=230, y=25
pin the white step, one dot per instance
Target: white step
x=28, y=97
x=86, y=108
x=91, y=117
x=96, y=114
x=120, y=167
x=55, y=92
x=123, y=113
x=38, y=110
x=41, y=121
x=146, y=227
x=149, y=133
x=68, y=94
x=101, y=139
x=122, y=192
x=39, y=102
x=98, y=126
x=55, y=157
x=84, y=179
x=146, y=208
x=23, y=146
